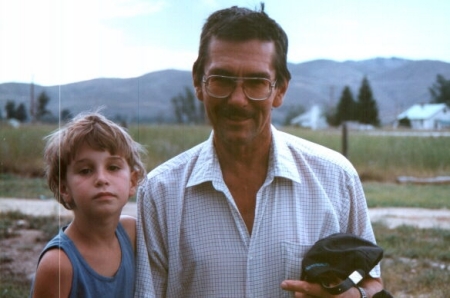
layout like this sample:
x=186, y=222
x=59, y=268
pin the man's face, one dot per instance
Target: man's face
x=237, y=119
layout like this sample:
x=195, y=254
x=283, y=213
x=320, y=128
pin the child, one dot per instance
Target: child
x=93, y=166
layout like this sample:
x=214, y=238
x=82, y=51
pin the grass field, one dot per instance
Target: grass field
x=376, y=158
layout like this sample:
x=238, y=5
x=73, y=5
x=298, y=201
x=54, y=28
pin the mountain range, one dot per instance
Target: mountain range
x=396, y=84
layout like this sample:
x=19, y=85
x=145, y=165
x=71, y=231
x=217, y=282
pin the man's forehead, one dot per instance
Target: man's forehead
x=254, y=57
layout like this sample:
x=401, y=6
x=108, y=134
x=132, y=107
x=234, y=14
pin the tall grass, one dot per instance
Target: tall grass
x=21, y=149
x=384, y=158
x=376, y=158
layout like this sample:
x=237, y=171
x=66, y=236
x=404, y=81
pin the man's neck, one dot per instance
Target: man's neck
x=243, y=156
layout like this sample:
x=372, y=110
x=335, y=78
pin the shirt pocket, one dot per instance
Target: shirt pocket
x=292, y=254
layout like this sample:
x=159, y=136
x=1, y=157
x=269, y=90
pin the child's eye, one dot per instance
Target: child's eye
x=114, y=168
x=85, y=171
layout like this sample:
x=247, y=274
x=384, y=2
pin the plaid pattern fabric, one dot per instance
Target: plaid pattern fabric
x=192, y=241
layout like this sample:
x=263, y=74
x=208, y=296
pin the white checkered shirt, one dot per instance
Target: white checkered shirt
x=192, y=241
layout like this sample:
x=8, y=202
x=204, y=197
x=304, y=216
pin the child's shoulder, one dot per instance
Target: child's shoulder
x=128, y=222
x=129, y=225
x=53, y=266
x=55, y=259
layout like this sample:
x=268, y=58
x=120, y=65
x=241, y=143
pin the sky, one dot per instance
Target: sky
x=55, y=42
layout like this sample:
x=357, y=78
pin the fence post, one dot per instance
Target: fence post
x=344, y=139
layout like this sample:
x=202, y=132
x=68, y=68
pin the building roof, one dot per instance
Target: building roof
x=422, y=111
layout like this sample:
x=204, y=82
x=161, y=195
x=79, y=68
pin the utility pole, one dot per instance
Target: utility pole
x=32, y=103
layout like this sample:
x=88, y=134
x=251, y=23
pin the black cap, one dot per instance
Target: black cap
x=340, y=261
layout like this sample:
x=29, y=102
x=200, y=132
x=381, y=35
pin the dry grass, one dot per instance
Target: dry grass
x=376, y=158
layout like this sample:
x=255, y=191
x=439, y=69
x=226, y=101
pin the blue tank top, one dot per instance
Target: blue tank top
x=86, y=282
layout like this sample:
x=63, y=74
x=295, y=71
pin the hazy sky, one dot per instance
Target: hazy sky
x=55, y=42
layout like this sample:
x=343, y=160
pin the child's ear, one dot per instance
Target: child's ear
x=65, y=196
x=133, y=183
x=63, y=189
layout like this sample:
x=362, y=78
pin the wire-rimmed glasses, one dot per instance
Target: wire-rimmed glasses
x=254, y=88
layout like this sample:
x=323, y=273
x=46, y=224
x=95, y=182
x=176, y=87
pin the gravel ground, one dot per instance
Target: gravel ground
x=392, y=217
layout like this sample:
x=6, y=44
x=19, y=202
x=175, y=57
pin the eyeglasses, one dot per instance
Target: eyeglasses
x=254, y=88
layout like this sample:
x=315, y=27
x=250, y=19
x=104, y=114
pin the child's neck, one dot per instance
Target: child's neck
x=98, y=245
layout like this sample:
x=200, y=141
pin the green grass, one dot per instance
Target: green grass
x=384, y=158
x=376, y=158
x=407, y=195
x=15, y=186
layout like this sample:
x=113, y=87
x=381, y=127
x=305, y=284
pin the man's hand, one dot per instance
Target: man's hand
x=305, y=289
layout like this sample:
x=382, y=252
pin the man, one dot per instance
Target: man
x=233, y=216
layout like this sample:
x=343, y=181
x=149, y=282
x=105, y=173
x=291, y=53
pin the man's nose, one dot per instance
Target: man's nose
x=238, y=95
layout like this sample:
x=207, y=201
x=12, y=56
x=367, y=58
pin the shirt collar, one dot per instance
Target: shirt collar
x=207, y=167
x=281, y=162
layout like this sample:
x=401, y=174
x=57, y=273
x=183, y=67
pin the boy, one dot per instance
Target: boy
x=93, y=166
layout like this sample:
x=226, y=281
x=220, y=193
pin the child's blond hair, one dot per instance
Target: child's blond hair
x=98, y=132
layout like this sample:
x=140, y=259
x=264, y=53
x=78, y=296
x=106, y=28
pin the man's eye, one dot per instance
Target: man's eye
x=256, y=83
x=222, y=81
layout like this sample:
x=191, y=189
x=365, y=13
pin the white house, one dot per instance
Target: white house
x=427, y=116
x=313, y=119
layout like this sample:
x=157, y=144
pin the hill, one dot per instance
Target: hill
x=396, y=84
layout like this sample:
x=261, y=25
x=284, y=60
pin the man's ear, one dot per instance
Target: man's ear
x=280, y=91
x=198, y=88
x=199, y=92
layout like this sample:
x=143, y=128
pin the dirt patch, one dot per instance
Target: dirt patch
x=20, y=252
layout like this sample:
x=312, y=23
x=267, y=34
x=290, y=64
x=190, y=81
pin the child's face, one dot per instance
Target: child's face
x=98, y=182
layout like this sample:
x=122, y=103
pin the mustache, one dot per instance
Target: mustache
x=230, y=112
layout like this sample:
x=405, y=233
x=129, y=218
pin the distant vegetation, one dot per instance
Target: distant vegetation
x=376, y=158
x=364, y=110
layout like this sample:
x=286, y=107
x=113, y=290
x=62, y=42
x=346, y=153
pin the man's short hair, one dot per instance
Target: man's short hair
x=242, y=24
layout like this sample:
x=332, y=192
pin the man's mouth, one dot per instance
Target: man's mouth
x=235, y=114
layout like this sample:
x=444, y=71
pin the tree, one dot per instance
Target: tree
x=10, y=108
x=41, y=110
x=66, y=115
x=187, y=109
x=440, y=90
x=346, y=108
x=367, y=109
x=21, y=113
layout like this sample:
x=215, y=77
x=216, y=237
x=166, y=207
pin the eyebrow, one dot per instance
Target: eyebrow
x=110, y=158
x=224, y=72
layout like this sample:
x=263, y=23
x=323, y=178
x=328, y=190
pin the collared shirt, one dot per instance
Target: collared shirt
x=193, y=242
